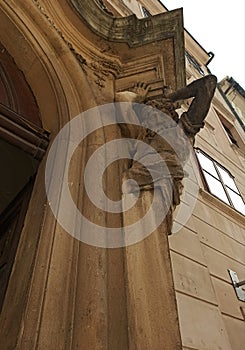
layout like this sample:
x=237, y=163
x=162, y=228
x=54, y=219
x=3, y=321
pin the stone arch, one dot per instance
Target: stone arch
x=50, y=68
x=66, y=293
x=25, y=49
x=29, y=40
x=14, y=90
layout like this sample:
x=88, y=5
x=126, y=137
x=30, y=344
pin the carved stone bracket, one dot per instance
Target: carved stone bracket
x=102, y=69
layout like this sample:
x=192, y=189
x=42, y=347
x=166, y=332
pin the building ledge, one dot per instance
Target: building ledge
x=219, y=204
x=131, y=30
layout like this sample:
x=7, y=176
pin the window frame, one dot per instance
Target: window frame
x=193, y=62
x=231, y=132
x=230, y=135
x=146, y=13
x=220, y=179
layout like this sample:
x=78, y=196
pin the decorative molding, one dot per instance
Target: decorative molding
x=22, y=133
x=131, y=30
x=133, y=71
x=137, y=32
x=80, y=59
x=101, y=67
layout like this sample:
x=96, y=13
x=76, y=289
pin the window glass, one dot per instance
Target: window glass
x=194, y=63
x=146, y=13
x=207, y=164
x=230, y=135
x=227, y=179
x=220, y=182
x=237, y=201
x=216, y=188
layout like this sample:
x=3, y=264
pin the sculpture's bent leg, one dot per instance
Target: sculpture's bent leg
x=203, y=91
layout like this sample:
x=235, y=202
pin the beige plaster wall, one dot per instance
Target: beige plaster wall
x=212, y=241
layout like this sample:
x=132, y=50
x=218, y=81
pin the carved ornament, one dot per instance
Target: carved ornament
x=80, y=59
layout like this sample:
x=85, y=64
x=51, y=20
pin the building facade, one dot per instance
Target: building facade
x=235, y=95
x=61, y=58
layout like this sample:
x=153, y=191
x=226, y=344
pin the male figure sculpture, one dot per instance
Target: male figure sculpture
x=167, y=122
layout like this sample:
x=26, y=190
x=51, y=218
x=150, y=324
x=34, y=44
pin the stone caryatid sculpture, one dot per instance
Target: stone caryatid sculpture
x=170, y=135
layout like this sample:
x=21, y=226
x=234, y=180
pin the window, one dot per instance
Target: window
x=104, y=7
x=146, y=13
x=220, y=182
x=194, y=63
x=231, y=132
x=230, y=135
x=228, y=128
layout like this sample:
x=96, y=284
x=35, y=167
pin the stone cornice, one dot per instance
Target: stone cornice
x=131, y=30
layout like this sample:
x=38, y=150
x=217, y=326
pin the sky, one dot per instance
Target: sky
x=218, y=26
